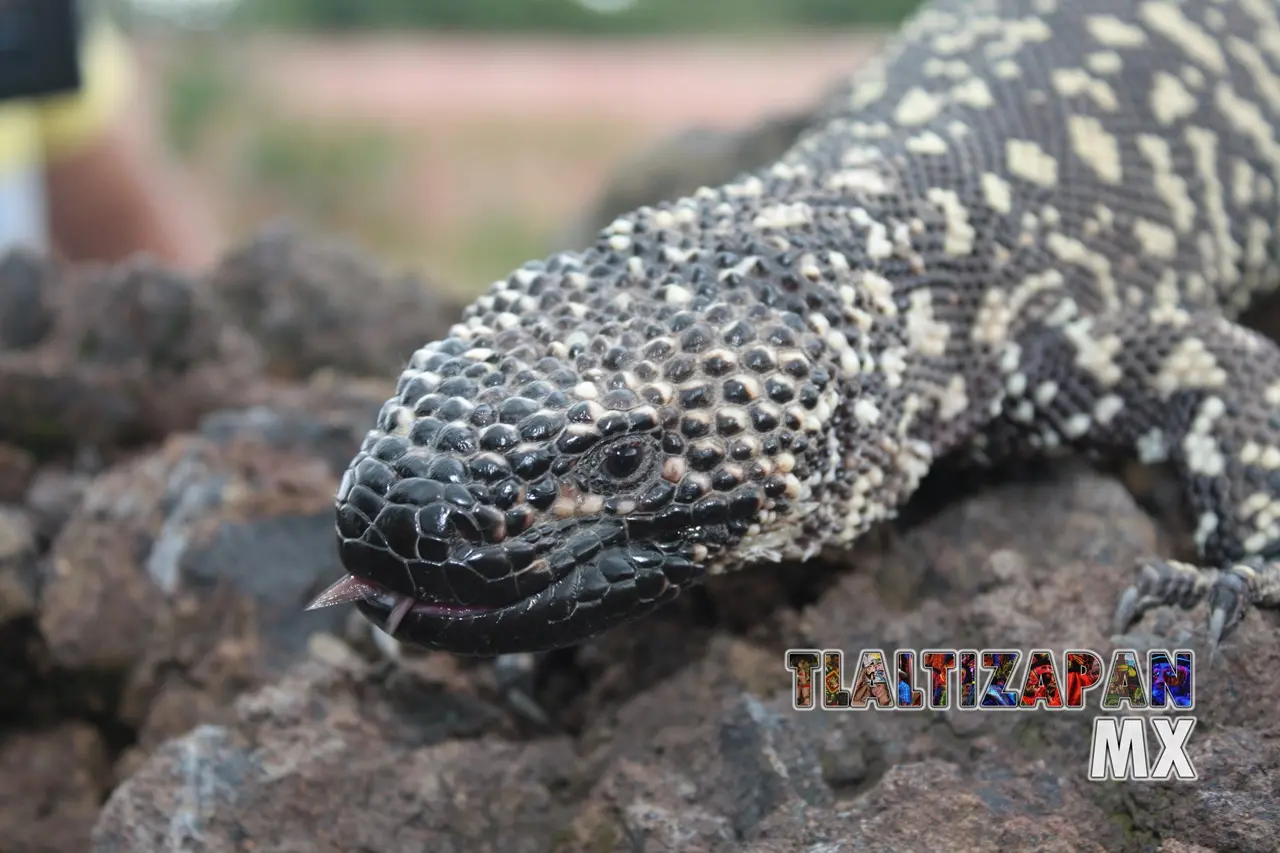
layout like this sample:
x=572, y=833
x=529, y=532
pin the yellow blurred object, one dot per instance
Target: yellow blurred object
x=69, y=122
x=36, y=131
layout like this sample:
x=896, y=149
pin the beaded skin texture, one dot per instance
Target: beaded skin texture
x=1024, y=230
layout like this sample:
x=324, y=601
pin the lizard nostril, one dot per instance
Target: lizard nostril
x=467, y=528
x=444, y=522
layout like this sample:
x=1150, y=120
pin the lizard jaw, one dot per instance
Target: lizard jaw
x=351, y=589
x=627, y=584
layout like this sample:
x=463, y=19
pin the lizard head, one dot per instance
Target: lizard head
x=568, y=460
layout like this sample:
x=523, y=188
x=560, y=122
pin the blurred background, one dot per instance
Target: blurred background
x=458, y=138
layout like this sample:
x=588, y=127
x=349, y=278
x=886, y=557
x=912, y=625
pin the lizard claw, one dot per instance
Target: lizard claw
x=1159, y=582
x=1217, y=627
x=1229, y=593
x=1229, y=598
x=1126, y=611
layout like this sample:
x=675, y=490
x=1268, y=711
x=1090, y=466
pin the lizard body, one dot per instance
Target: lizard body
x=1026, y=229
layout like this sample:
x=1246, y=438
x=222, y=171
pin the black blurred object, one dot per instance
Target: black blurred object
x=39, y=48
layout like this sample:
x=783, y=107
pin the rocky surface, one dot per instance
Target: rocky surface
x=681, y=735
x=166, y=482
x=102, y=360
x=166, y=500
x=321, y=304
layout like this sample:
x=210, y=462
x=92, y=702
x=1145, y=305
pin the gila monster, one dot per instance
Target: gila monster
x=1024, y=230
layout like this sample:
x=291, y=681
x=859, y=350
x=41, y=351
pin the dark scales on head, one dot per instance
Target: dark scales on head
x=540, y=478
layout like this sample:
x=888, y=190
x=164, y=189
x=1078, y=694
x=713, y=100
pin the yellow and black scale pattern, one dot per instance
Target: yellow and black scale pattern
x=1025, y=229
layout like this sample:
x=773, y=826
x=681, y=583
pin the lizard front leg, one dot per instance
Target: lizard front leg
x=1192, y=389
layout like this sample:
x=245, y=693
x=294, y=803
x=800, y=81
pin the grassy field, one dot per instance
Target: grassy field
x=459, y=157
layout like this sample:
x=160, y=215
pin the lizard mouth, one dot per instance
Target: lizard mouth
x=435, y=574
x=621, y=584
x=382, y=600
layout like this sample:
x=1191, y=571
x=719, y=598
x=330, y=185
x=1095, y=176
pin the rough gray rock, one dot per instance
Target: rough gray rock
x=709, y=755
x=314, y=304
x=114, y=356
x=51, y=783
x=186, y=570
x=165, y=513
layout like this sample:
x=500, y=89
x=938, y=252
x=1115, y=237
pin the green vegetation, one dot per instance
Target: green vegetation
x=335, y=178
x=318, y=168
x=490, y=246
x=195, y=93
x=576, y=16
x=466, y=198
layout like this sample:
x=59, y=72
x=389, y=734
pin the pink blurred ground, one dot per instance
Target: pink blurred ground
x=502, y=141
x=667, y=83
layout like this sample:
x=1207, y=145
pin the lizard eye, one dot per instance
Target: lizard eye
x=623, y=459
x=620, y=466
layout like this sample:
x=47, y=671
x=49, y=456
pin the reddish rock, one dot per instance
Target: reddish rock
x=52, y=782
x=186, y=572
x=17, y=469
x=701, y=749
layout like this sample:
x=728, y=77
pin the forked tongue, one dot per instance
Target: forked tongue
x=349, y=589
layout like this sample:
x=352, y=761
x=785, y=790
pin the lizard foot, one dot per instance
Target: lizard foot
x=1230, y=592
